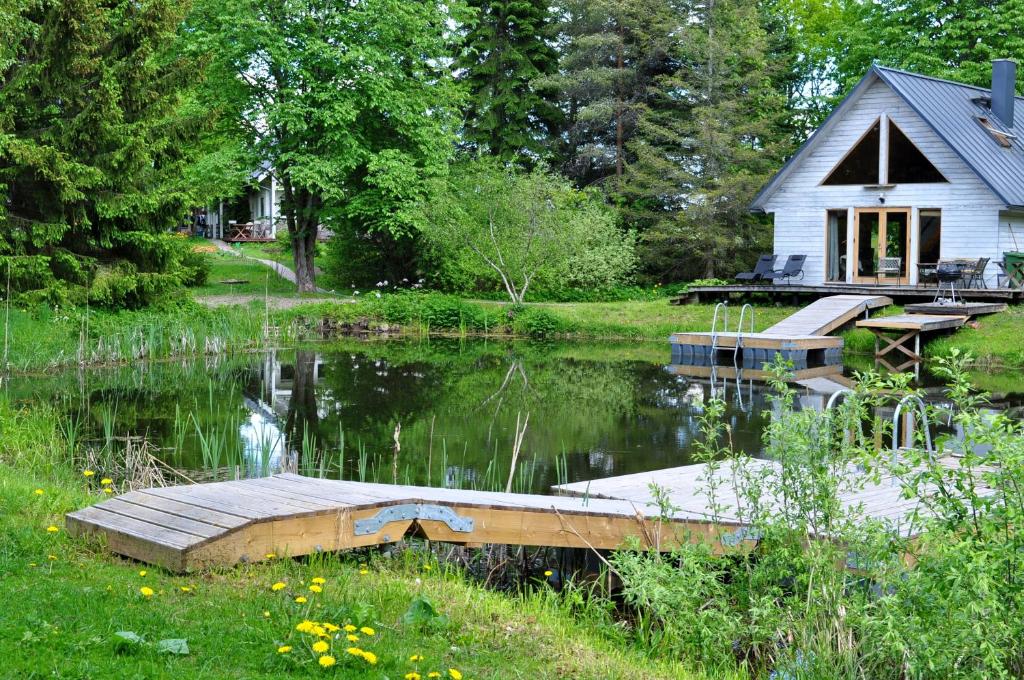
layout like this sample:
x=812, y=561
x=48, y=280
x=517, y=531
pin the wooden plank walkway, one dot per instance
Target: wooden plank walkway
x=223, y=523
x=879, y=499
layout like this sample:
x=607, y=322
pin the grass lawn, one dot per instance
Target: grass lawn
x=259, y=277
x=267, y=251
x=64, y=600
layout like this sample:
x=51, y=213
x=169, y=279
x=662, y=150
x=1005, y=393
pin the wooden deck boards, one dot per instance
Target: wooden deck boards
x=222, y=523
x=917, y=322
x=968, y=309
x=794, y=290
x=823, y=316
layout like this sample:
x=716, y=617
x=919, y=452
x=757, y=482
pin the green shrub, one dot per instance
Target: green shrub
x=535, y=322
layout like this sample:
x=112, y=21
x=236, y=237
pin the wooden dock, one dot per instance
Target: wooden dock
x=801, y=337
x=223, y=523
x=968, y=309
x=909, y=328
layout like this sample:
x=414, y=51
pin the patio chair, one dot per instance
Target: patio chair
x=976, y=274
x=889, y=266
x=794, y=268
x=764, y=265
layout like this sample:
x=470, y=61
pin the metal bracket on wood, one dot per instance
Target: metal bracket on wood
x=733, y=538
x=398, y=513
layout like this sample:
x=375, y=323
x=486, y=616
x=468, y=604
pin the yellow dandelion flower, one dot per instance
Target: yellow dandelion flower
x=32, y=564
x=331, y=628
x=39, y=492
x=349, y=628
x=142, y=573
x=370, y=658
x=320, y=647
x=548, y=573
x=354, y=651
x=270, y=556
x=52, y=529
x=363, y=572
x=87, y=473
x=319, y=631
x=366, y=630
x=106, y=481
x=315, y=589
x=416, y=658
x=433, y=674
x=327, y=661
x=454, y=674
x=427, y=567
x=146, y=591
x=108, y=490
x=352, y=638
x=280, y=585
x=186, y=589
x=413, y=676
x=266, y=615
x=319, y=580
x=52, y=558
x=301, y=600
x=305, y=626
x=284, y=649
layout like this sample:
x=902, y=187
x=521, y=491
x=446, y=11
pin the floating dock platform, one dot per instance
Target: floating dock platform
x=802, y=338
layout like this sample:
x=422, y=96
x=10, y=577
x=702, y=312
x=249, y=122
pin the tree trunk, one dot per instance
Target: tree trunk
x=302, y=211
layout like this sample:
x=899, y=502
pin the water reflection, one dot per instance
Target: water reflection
x=334, y=411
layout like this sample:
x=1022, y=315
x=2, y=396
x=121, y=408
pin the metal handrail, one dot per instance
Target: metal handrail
x=739, y=329
x=922, y=413
x=835, y=396
x=714, y=324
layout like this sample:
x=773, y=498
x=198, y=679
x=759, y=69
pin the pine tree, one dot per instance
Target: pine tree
x=505, y=49
x=611, y=53
x=708, y=138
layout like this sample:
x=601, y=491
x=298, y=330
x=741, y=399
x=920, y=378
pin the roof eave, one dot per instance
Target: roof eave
x=757, y=204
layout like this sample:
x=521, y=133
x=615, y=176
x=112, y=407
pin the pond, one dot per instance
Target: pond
x=454, y=406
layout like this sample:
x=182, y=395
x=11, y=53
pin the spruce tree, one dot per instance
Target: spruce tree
x=506, y=48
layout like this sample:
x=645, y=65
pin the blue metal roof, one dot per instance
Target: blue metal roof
x=951, y=109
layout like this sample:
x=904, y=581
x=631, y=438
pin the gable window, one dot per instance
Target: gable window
x=860, y=165
x=907, y=165
x=884, y=155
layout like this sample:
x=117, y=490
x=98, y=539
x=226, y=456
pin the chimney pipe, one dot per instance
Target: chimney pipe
x=1004, y=84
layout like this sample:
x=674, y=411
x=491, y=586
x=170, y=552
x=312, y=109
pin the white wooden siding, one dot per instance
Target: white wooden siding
x=969, y=209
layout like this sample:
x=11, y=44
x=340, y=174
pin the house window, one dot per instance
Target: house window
x=907, y=165
x=929, y=240
x=860, y=165
x=263, y=206
x=835, y=246
x=904, y=163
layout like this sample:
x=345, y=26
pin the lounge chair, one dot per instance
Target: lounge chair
x=793, y=269
x=764, y=265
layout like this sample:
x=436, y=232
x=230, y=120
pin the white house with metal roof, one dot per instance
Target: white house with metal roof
x=908, y=168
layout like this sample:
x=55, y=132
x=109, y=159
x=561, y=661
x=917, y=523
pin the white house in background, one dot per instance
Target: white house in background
x=907, y=167
x=265, y=201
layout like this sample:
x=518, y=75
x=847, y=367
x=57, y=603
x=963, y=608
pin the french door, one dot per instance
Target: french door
x=881, y=233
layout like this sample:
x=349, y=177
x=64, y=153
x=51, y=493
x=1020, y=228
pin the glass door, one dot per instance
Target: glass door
x=881, y=245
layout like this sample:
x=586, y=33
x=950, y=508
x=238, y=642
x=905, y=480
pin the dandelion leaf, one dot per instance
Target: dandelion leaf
x=173, y=646
x=126, y=641
x=421, y=612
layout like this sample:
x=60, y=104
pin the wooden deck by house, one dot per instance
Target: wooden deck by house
x=796, y=292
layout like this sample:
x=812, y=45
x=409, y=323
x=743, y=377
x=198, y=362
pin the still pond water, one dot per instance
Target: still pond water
x=595, y=410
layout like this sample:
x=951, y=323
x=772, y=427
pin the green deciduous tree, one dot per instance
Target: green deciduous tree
x=516, y=230
x=505, y=48
x=348, y=102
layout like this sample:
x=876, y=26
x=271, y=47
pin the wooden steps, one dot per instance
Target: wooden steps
x=223, y=523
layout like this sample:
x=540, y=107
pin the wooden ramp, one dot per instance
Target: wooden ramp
x=823, y=316
x=223, y=523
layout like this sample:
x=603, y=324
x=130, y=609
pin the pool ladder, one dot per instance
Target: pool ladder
x=918, y=409
x=724, y=306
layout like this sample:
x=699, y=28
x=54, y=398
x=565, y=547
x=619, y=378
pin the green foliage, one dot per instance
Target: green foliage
x=100, y=138
x=506, y=47
x=535, y=322
x=496, y=225
x=348, y=103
